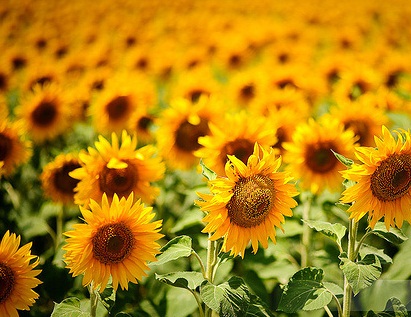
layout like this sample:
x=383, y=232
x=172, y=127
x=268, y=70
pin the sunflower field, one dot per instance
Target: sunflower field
x=205, y=158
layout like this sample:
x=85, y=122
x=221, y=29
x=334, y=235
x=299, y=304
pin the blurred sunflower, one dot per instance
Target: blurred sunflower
x=181, y=125
x=14, y=148
x=117, y=169
x=45, y=112
x=17, y=276
x=309, y=155
x=55, y=179
x=142, y=124
x=117, y=239
x=249, y=203
x=234, y=135
x=383, y=180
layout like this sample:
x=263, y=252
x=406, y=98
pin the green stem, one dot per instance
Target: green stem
x=199, y=302
x=352, y=236
x=203, y=269
x=211, y=268
x=93, y=300
x=360, y=242
x=306, y=236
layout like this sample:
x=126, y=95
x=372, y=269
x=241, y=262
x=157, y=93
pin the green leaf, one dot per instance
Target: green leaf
x=176, y=248
x=393, y=308
x=362, y=274
x=108, y=297
x=368, y=249
x=335, y=231
x=305, y=291
x=334, y=288
x=346, y=161
x=189, y=280
x=395, y=235
x=70, y=307
x=207, y=172
x=212, y=295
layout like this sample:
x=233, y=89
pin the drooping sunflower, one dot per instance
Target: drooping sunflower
x=383, y=180
x=17, y=276
x=235, y=135
x=249, y=203
x=56, y=182
x=309, y=155
x=117, y=169
x=117, y=239
x=45, y=113
x=14, y=148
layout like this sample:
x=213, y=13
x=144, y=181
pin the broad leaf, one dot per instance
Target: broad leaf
x=70, y=307
x=108, y=297
x=393, y=308
x=395, y=235
x=305, y=291
x=368, y=249
x=176, y=248
x=362, y=274
x=207, y=172
x=189, y=280
x=335, y=231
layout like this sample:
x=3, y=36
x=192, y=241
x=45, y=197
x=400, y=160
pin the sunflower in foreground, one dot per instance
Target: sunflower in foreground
x=17, y=276
x=383, y=180
x=309, y=155
x=116, y=240
x=249, y=203
x=117, y=169
x=56, y=181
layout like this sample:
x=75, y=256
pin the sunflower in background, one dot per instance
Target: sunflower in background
x=117, y=240
x=383, y=180
x=17, y=275
x=117, y=169
x=309, y=155
x=235, y=134
x=249, y=203
x=55, y=179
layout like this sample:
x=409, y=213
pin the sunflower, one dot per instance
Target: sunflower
x=249, y=203
x=117, y=169
x=181, y=125
x=14, y=148
x=55, y=179
x=383, y=180
x=17, y=276
x=142, y=124
x=117, y=240
x=45, y=112
x=309, y=155
x=234, y=135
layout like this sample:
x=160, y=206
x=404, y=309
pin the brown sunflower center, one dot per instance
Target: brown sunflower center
x=118, y=107
x=187, y=135
x=144, y=123
x=320, y=158
x=252, y=200
x=44, y=114
x=119, y=181
x=112, y=243
x=392, y=179
x=360, y=129
x=240, y=148
x=247, y=92
x=6, y=282
x=5, y=146
x=63, y=181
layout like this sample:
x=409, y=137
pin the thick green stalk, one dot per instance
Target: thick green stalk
x=212, y=252
x=93, y=301
x=306, y=236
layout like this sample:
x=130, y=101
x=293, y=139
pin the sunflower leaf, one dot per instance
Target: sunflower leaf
x=176, y=248
x=69, y=307
x=363, y=273
x=368, y=249
x=305, y=291
x=188, y=280
x=207, y=172
x=346, y=161
x=108, y=297
x=393, y=308
x=335, y=231
x=233, y=298
x=395, y=235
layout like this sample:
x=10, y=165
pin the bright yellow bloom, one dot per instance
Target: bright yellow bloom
x=116, y=240
x=17, y=276
x=249, y=203
x=383, y=180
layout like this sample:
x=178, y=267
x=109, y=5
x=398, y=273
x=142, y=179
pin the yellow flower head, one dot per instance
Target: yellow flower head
x=17, y=276
x=116, y=240
x=249, y=203
x=383, y=180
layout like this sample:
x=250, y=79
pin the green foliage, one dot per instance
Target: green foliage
x=178, y=247
x=335, y=231
x=393, y=308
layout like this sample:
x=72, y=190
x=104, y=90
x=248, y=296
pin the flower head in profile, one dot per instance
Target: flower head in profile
x=249, y=203
x=17, y=276
x=116, y=240
x=383, y=180
x=309, y=155
x=118, y=169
